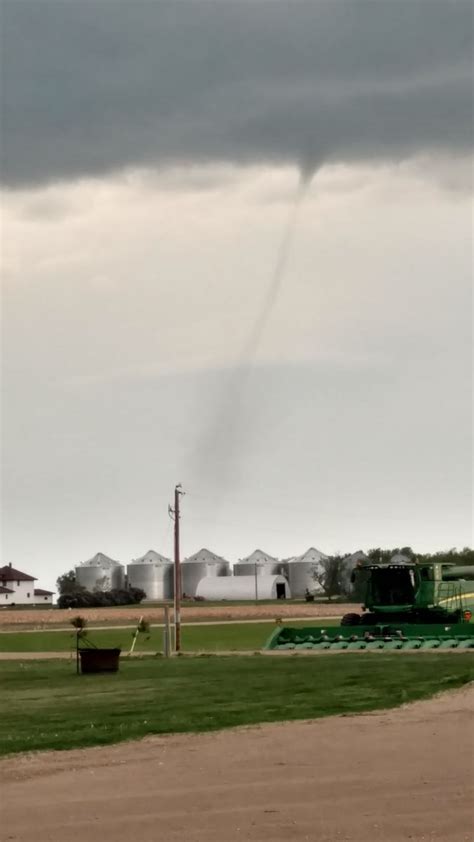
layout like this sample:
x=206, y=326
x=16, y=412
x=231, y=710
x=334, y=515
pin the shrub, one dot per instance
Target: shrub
x=101, y=599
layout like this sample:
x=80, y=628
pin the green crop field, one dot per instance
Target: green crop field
x=45, y=705
x=220, y=637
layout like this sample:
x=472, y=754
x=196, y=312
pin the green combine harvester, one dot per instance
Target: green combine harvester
x=407, y=607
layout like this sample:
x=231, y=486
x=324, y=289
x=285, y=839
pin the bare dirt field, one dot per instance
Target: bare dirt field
x=42, y=618
x=393, y=776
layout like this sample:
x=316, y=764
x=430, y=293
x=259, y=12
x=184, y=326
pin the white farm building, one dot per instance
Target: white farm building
x=243, y=587
x=18, y=588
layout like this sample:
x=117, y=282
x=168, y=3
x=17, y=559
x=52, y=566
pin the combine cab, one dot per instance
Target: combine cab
x=407, y=607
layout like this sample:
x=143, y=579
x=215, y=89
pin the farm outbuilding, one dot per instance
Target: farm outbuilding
x=243, y=587
x=100, y=573
x=153, y=573
x=43, y=597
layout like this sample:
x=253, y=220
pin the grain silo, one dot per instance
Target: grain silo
x=153, y=573
x=400, y=558
x=303, y=572
x=259, y=563
x=349, y=562
x=100, y=573
x=243, y=587
x=198, y=566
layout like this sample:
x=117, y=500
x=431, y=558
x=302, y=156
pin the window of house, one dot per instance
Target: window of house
x=28, y=595
x=18, y=584
x=7, y=595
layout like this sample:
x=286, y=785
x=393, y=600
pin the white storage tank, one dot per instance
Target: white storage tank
x=243, y=587
x=261, y=564
x=100, y=573
x=154, y=574
x=203, y=564
x=400, y=558
x=303, y=570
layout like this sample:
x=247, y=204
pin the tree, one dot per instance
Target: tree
x=67, y=583
x=81, y=598
x=77, y=599
x=380, y=556
x=328, y=575
x=136, y=595
x=452, y=556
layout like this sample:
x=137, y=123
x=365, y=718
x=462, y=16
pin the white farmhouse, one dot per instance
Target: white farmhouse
x=43, y=597
x=6, y=595
x=18, y=588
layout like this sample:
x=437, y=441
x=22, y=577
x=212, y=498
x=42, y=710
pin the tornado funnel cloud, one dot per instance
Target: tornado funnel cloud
x=224, y=439
x=273, y=293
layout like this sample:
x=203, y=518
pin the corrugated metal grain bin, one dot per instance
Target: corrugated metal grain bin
x=100, y=573
x=199, y=566
x=153, y=573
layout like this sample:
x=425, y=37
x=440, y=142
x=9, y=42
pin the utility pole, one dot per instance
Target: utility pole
x=174, y=513
x=167, y=634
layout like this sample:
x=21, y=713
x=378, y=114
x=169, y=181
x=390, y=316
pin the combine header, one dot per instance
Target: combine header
x=407, y=607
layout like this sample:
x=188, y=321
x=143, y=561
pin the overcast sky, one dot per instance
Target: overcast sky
x=236, y=253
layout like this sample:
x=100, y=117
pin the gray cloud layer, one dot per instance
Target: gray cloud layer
x=91, y=87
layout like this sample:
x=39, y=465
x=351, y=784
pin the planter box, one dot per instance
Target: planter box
x=99, y=660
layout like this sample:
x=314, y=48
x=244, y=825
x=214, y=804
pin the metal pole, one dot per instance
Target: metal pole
x=177, y=573
x=134, y=639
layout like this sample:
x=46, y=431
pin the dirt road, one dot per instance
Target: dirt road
x=389, y=777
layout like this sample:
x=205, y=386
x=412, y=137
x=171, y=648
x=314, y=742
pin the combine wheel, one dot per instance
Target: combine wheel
x=351, y=620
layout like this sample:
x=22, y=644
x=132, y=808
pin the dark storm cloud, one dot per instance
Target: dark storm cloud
x=90, y=87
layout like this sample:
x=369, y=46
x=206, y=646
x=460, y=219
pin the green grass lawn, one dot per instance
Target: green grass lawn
x=215, y=638
x=45, y=705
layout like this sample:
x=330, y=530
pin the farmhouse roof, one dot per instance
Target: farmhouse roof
x=11, y=574
x=6, y=590
x=42, y=592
